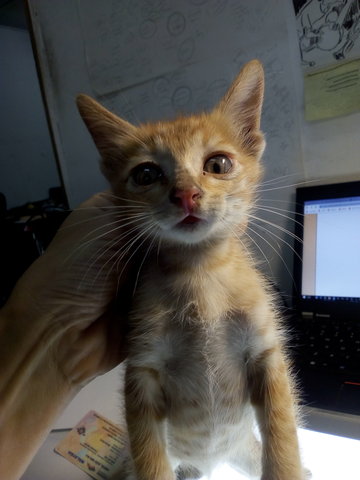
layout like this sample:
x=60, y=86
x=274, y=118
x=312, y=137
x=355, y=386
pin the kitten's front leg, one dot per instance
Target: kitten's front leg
x=145, y=415
x=274, y=403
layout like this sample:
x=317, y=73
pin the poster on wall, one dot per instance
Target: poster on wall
x=329, y=42
x=328, y=30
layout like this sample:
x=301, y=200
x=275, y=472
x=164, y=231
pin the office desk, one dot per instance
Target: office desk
x=329, y=457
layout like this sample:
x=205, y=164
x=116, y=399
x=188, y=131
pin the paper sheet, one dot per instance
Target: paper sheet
x=157, y=59
x=128, y=43
x=332, y=91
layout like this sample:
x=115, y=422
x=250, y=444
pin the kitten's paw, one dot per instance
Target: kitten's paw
x=124, y=476
x=185, y=472
x=125, y=472
x=307, y=474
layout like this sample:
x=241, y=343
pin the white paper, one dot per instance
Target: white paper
x=185, y=60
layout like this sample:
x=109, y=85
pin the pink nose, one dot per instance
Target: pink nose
x=186, y=198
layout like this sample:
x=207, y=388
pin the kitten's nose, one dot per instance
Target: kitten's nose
x=185, y=198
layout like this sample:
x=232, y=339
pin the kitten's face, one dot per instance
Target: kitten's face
x=196, y=182
x=191, y=179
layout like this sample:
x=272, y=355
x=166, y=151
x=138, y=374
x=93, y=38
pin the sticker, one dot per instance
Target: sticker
x=97, y=446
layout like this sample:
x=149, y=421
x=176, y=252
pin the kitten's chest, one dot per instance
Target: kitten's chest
x=188, y=331
x=203, y=367
x=200, y=368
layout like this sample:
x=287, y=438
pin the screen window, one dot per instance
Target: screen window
x=331, y=249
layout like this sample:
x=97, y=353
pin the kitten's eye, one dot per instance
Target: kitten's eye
x=146, y=174
x=218, y=164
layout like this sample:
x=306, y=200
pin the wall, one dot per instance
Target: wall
x=27, y=164
x=147, y=60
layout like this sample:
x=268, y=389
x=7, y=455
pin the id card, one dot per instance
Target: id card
x=97, y=446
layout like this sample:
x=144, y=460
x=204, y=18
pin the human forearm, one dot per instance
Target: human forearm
x=32, y=392
x=44, y=362
x=62, y=326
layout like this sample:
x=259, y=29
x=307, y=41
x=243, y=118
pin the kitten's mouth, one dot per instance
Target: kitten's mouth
x=189, y=220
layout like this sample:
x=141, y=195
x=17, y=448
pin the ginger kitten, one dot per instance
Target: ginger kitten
x=205, y=347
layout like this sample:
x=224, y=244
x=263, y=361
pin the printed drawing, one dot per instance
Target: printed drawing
x=328, y=30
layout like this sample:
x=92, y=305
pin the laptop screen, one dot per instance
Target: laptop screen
x=331, y=249
x=327, y=261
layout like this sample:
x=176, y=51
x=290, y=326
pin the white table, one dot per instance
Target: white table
x=329, y=457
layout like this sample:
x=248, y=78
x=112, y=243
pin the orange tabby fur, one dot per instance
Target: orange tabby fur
x=205, y=346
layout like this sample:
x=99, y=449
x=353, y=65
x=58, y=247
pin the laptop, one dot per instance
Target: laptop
x=327, y=296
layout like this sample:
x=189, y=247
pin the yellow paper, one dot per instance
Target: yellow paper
x=332, y=91
x=97, y=446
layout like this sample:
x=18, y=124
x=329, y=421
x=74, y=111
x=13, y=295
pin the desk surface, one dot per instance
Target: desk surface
x=327, y=456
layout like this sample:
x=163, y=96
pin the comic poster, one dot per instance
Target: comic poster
x=328, y=30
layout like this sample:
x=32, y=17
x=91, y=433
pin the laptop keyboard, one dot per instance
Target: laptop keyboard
x=328, y=346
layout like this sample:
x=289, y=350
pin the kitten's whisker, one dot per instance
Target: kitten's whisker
x=270, y=209
x=278, y=213
x=127, y=199
x=279, y=238
x=306, y=182
x=277, y=179
x=127, y=247
x=158, y=249
x=277, y=200
x=129, y=221
x=138, y=230
x=150, y=232
x=107, y=207
x=87, y=243
x=91, y=219
x=274, y=225
x=236, y=235
x=115, y=254
x=142, y=262
x=274, y=249
x=95, y=257
x=261, y=251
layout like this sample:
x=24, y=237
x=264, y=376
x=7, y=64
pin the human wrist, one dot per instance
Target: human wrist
x=21, y=337
x=33, y=390
x=26, y=357
x=37, y=397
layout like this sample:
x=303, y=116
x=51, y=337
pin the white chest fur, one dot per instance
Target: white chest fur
x=202, y=375
x=190, y=346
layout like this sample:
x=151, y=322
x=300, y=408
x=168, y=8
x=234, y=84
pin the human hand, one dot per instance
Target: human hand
x=62, y=326
x=72, y=298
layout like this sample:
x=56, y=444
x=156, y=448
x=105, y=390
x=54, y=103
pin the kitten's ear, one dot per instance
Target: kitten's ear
x=109, y=132
x=242, y=106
